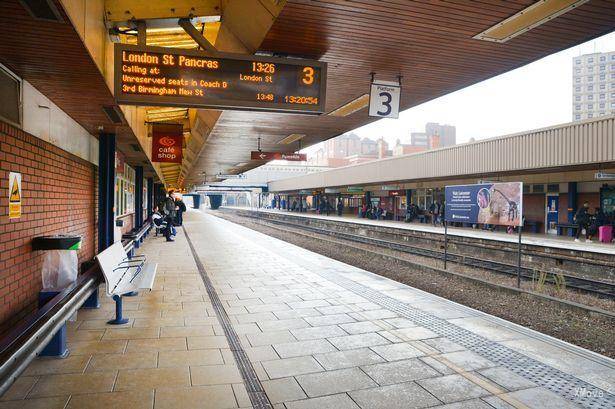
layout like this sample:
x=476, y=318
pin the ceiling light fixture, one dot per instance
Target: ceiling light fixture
x=527, y=19
x=351, y=107
x=293, y=137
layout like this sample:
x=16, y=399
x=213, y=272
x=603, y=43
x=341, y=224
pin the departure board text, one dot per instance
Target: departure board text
x=158, y=76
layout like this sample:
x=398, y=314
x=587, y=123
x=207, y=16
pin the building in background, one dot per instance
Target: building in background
x=435, y=136
x=447, y=134
x=593, y=85
x=350, y=149
x=419, y=139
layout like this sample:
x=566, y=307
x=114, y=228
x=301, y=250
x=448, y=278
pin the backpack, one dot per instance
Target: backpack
x=169, y=207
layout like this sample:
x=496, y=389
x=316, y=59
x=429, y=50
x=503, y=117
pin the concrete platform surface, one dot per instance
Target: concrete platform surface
x=308, y=331
x=543, y=240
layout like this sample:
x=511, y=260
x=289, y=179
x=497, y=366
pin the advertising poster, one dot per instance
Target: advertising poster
x=14, y=195
x=486, y=203
x=167, y=143
x=120, y=160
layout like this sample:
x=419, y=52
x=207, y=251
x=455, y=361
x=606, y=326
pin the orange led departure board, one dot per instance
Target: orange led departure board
x=159, y=76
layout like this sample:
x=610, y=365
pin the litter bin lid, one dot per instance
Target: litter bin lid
x=57, y=242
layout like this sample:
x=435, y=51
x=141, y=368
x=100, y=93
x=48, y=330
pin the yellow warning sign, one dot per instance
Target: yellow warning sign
x=14, y=195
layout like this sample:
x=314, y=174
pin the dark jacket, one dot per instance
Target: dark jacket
x=182, y=206
x=601, y=218
x=582, y=216
x=168, y=206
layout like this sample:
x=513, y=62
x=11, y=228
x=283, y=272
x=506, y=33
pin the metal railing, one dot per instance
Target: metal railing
x=24, y=342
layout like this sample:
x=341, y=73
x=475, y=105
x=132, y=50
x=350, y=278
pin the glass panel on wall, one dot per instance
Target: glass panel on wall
x=553, y=188
x=125, y=191
x=422, y=198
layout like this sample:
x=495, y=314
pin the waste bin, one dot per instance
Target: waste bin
x=59, y=271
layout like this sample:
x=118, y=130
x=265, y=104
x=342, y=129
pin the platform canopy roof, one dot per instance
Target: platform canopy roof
x=436, y=46
x=572, y=147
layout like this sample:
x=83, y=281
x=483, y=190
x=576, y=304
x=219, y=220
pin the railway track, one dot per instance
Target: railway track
x=598, y=288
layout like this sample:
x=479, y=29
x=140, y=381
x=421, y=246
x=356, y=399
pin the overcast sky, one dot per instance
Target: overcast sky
x=534, y=96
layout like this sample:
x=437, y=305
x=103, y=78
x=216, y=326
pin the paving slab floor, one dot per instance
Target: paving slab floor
x=316, y=333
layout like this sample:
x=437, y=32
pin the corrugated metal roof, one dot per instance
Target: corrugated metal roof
x=561, y=146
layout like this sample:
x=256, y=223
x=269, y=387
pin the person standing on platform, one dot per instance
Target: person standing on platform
x=180, y=208
x=434, y=211
x=601, y=219
x=168, y=208
x=340, y=207
x=305, y=205
x=596, y=220
x=582, y=220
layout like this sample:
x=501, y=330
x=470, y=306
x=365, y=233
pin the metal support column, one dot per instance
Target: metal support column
x=138, y=197
x=158, y=193
x=519, y=256
x=445, y=243
x=573, y=204
x=106, y=190
x=150, y=197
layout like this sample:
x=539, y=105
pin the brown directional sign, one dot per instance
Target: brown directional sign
x=158, y=76
x=290, y=156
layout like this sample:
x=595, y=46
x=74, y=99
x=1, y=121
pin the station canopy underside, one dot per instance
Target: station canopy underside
x=430, y=44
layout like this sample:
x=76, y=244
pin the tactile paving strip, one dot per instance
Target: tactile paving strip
x=563, y=384
x=255, y=390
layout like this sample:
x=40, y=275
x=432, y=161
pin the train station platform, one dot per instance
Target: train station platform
x=240, y=319
x=534, y=239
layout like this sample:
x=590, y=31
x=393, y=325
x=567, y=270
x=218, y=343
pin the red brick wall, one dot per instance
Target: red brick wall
x=593, y=198
x=58, y=196
x=534, y=208
x=128, y=222
x=562, y=216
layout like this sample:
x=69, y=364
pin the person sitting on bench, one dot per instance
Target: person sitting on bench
x=161, y=222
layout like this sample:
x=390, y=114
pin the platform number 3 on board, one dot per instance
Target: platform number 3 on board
x=384, y=99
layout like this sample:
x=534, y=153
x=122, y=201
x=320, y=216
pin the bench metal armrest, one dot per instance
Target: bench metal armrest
x=128, y=267
x=138, y=257
x=130, y=263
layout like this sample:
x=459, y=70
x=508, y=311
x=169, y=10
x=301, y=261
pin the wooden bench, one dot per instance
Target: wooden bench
x=124, y=275
x=572, y=228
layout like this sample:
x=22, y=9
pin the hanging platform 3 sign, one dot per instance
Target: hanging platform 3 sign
x=384, y=99
x=14, y=195
x=486, y=203
x=160, y=76
x=167, y=143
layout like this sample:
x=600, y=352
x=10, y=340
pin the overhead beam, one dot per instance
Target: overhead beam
x=124, y=10
x=141, y=32
x=247, y=22
x=196, y=35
